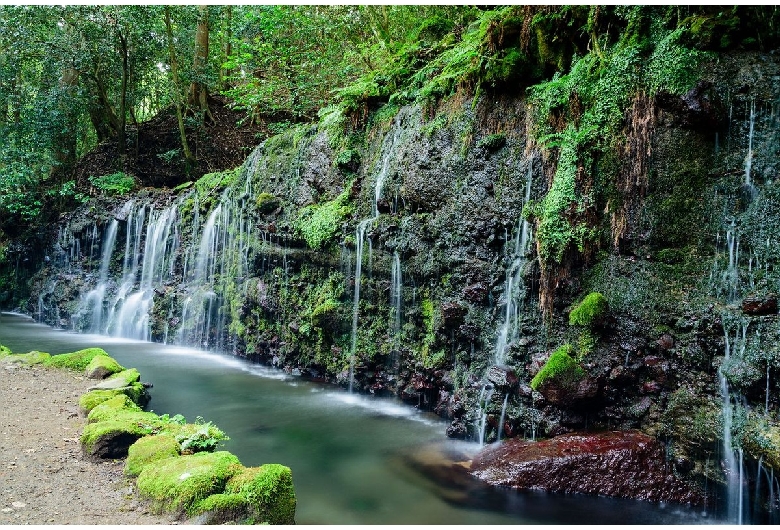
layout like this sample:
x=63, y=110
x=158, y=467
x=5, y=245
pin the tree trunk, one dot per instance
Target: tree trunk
x=176, y=87
x=64, y=139
x=199, y=94
x=227, y=47
x=123, y=97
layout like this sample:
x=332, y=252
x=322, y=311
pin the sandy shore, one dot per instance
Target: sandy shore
x=43, y=477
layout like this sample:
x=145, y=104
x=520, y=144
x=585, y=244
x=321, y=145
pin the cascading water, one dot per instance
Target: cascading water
x=514, y=289
x=93, y=301
x=396, y=292
x=388, y=144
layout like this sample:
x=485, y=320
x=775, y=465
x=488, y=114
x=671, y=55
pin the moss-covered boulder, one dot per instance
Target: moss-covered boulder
x=119, y=380
x=269, y=490
x=30, y=358
x=150, y=449
x=78, y=360
x=110, y=408
x=177, y=484
x=5, y=351
x=101, y=366
x=591, y=312
x=112, y=438
x=136, y=392
x=222, y=508
x=562, y=380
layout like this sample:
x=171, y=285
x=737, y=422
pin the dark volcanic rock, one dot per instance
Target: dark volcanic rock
x=754, y=305
x=617, y=464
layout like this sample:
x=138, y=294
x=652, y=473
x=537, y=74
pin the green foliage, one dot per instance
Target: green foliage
x=429, y=315
x=318, y=223
x=560, y=367
x=590, y=311
x=673, y=67
x=205, y=437
x=114, y=184
x=216, y=181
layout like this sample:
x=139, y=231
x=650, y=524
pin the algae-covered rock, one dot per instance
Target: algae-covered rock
x=119, y=380
x=762, y=440
x=110, y=408
x=78, y=360
x=177, y=484
x=269, y=489
x=101, y=366
x=590, y=312
x=4, y=351
x=112, y=438
x=222, y=508
x=30, y=358
x=150, y=449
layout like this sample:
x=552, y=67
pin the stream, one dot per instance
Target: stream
x=355, y=459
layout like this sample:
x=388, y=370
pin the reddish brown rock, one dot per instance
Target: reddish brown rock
x=626, y=464
x=754, y=305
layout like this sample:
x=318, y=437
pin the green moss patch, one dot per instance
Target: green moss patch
x=223, y=508
x=177, y=484
x=110, y=408
x=78, y=360
x=136, y=392
x=561, y=368
x=149, y=449
x=30, y=358
x=112, y=438
x=4, y=351
x=590, y=311
x=101, y=366
x=269, y=489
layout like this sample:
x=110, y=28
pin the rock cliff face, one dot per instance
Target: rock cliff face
x=397, y=260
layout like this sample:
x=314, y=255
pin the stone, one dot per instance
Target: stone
x=625, y=464
x=502, y=376
x=754, y=305
x=102, y=366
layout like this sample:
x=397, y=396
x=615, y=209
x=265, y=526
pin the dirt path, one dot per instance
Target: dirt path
x=43, y=477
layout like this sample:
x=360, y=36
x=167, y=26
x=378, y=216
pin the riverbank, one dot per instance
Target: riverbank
x=43, y=477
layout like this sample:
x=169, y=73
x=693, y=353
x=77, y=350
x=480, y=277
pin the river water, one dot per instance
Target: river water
x=355, y=459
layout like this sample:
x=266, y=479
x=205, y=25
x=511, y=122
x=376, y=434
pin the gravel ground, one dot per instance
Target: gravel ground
x=44, y=479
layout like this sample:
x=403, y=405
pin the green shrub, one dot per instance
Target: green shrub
x=114, y=184
x=590, y=311
x=318, y=223
x=561, y=367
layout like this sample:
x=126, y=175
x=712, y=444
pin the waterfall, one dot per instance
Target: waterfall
x=749, y=156
x=388, y=146
x=732, y=458
x=514, y=289
x=396, y=286
x=503, y=415
x=92, y=303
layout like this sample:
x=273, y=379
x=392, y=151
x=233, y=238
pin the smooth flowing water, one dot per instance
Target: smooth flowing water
x=355, y=459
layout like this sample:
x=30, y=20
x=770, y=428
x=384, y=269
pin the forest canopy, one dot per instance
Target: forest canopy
x=73, y=77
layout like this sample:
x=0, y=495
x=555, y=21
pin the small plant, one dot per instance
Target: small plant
x=493, y=142
x=117, y=183
x=205, y=438
x=170, y=156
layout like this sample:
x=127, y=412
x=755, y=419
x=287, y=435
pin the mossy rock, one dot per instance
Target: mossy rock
x=119, y=380
x=5, y=351
x=269, y=489
x=149, y=449
x=762, y=440
x=136, y=392
x=101, y=366
x=590, y=312
x=178, y=484
x=112, y=438
x=110, y=408
x=561, y=368
x=222, y=508
x=30, y=358
x=266, y=202
x=78, y=360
